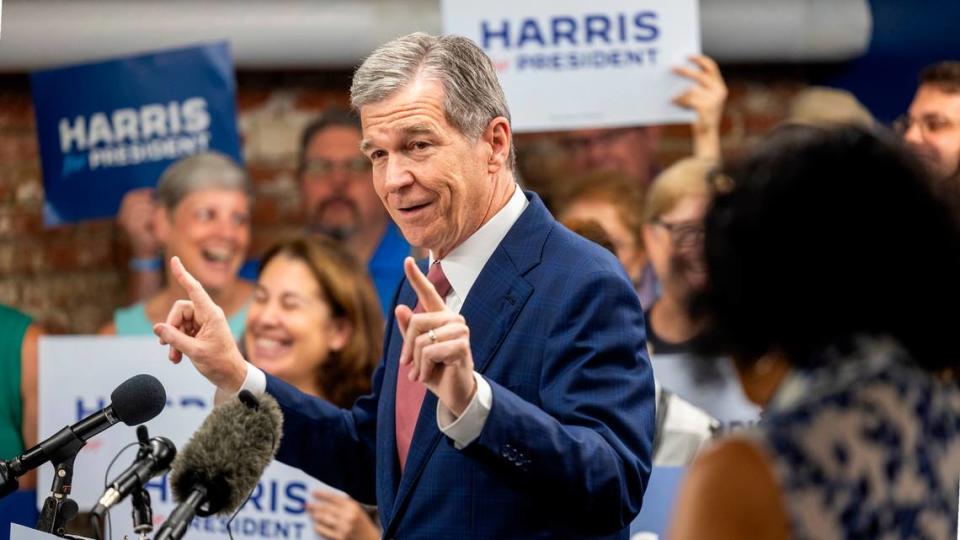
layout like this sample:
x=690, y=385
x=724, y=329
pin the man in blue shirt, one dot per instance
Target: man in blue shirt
x=339, y=199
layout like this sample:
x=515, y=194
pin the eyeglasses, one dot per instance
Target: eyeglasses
x=683, y=234
x=928, y=124
x=325, y=167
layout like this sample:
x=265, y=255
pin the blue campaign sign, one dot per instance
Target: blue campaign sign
x=107, y=127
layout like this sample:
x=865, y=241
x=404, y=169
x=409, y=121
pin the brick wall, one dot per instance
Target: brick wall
x=72, y=278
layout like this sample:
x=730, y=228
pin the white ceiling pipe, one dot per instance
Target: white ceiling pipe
x=338, y=34
x=262, y=34
x=785, y=30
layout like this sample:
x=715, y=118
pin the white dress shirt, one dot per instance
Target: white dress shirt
x=462, y=266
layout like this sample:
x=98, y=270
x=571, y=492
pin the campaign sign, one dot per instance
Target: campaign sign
x=567, y=64
x=77, y=376
x=107, y=127
x=19, y=532
x=710, y=384
x=659, y=501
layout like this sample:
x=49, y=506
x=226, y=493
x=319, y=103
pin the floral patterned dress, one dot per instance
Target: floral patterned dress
x=868, y=447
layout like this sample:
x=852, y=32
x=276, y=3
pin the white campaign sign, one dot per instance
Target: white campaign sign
x=19, y=532
x=567, y=64
x=77, y=375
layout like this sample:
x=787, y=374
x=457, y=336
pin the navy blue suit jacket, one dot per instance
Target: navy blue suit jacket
x=557, y=330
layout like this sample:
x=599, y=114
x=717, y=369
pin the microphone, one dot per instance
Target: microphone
x=154, y=458
x=136, y=400
x=223, y=461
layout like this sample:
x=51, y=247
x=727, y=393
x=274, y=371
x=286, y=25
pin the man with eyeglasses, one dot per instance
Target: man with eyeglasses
x=630, y=150
x=932, y=124
x=339, y=199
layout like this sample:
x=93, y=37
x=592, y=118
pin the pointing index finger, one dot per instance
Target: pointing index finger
x=427, y=295
x=201, y=300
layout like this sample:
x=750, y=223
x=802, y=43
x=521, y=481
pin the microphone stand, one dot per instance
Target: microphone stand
x=142, y=513
x=8, y=480
x=58, y=508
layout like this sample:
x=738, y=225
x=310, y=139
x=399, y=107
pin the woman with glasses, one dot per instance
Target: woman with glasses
x=673, y=235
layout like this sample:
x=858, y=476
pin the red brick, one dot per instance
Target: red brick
x=266, y=174
x=18, y=147
x=249, y=100
x=20, y=223
x=9, y=290
x=16, y=111
x=313, y=100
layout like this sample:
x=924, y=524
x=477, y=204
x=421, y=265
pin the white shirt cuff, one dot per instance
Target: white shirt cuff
x=465, y=429
x=255, y=381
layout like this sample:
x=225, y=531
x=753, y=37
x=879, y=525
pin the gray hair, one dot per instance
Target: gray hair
x=206, y=170
x=472, y=93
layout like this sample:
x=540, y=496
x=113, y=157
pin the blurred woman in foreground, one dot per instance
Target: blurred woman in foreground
x=315, y=322
x=861, y=430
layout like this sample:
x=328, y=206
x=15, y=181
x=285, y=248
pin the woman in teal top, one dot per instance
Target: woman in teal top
x=202, y=215
x=132, y=321
x=18, y=386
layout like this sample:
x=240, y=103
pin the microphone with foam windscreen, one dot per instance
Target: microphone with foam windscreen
x=136, y=400
x=222, y=462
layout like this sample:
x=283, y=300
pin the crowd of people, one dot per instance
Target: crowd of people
x=810, y=396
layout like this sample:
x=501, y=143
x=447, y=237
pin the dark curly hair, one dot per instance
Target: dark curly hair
x=346, y=287
x=821, y=235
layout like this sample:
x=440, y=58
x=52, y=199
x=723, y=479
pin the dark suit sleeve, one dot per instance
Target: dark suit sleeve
x=586, y=449
x=336, y=446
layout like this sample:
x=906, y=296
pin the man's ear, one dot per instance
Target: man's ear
x=499, y=138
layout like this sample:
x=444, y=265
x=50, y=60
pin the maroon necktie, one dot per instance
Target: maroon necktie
x=410, y=393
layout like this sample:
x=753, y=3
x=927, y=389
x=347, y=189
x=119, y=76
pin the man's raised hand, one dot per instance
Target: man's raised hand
x=198, y=328
x=436, y=344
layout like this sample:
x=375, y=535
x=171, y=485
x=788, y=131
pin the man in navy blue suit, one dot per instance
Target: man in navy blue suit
x=515, y=397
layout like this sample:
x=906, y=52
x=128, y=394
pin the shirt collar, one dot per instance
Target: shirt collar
x=463, y=264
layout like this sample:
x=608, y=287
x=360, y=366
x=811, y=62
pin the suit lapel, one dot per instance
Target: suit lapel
x=491, y=308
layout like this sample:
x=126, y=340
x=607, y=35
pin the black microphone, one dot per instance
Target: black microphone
x=135, y=401
x=223, y=461
x=153, y=459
